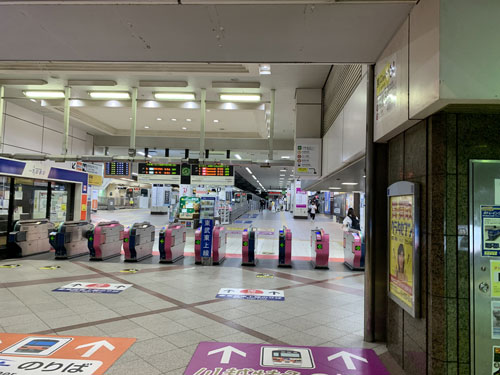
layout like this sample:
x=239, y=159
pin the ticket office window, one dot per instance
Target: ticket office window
x=61, y=202
x=30, y=199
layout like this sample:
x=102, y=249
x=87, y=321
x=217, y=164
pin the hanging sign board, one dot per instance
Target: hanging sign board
x=404, y=249
x=308, y=157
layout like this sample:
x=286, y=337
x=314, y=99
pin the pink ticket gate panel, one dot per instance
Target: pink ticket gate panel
x=248, y=246
x=285, y=248
x=320, y=248
x=106, y=240
x=138, y=242
x=172, y=243
x=353, y=250
x=219, y=245
x=197, y=246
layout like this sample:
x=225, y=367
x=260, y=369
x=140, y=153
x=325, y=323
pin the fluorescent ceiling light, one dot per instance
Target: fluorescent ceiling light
x=285, y=157
x=188, y=120
x=237, y=156
x=141, y=153
x=248, y=170
x=174, y=119
x=174, y=96
x=44, y=94
x=264, y=69
x=184, y=128
x=282, y=170
x=334, y=188
x=146, y=127
x=349, y=183
x=115, y=95
x=159, y=119
x=216, y=121
x=240, y=97
x=254, y=177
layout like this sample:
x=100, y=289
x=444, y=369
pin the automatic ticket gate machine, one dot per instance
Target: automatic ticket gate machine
x=219, y=241
x=71, y=239
x=172, y=243
x=30, y=237
x=354, y=256
x=285, y=248
x=138, y=241
x=105, y=241
x=320, y=248
x=248, y=247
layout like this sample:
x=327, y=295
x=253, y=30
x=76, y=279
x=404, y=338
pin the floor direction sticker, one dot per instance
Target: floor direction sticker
x=252, y=294
x=22, y=354
x=219, y=358
x=83, y=287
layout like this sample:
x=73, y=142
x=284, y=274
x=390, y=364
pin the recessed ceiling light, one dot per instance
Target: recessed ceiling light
x=146, y=127
x=282, y=170
x=364, y=176
x=264, y=69
x=285, y=157
x=237, y=156
x=44, y=94
x=130, y=118
x=184, y=128
x=174, y=96
x=173, y=119
x=240, y=97
x=334, y=188
x=159, y=119
x=188, y=120
x=115, y=95
x=216, y=121
x=349, y=183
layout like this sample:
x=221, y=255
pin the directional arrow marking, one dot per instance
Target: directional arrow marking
x=95, y=346
x=347, y=357
x=274, y=293
x=227, y=351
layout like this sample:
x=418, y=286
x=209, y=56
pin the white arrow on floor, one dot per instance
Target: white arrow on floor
x=227, y=351
x=95, y=346
x=347, y=357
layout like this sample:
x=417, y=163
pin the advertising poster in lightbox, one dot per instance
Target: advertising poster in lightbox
x=490, y=231
x=403, y=249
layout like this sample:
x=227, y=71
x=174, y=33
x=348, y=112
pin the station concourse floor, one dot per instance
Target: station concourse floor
x=171, y=308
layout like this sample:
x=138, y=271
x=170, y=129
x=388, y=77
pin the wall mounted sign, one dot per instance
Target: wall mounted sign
x=386, y=90
x=116, y=169
x=404, y=245
x=490, y=231
x=308, y=157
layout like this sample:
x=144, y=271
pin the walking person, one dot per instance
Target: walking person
x=351, y=220
x=312, y=210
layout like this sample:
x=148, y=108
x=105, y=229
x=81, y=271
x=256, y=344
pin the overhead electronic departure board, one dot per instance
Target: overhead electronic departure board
x=212, y=170
x=160, y=169
x=115, y=168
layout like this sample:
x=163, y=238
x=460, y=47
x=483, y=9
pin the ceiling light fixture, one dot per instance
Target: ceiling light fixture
x=173, y=119
x=334, y=188
x=114, y=95
x=237, y=156
x=159, y=119
x=349, y=183
x=184, y=128
x=240, y=97
x=282, y=170
x=264, y=69
x=44, y=94
x=248, y=170
x=174, y=96
x=146, y=127
x=188, y=120
x=285, y=157
x=216, y=121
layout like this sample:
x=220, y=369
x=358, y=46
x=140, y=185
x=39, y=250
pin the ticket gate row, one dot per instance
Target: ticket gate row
x=285, y=247
x=354, y=255
x=219, y=241
x=71, y=239
x=138, y=242
x=106, y=240
x=248, y=247
x=29, y=237
x=320, y=248
x=172, y=243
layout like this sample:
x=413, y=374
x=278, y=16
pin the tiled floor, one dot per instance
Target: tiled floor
x=171, y=308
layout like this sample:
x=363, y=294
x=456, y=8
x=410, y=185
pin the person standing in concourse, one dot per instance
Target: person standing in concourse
x=351, y=220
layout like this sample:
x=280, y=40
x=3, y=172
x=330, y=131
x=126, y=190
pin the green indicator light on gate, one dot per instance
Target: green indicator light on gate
x=162, y=241
x=197, y=242
x=357, y=248
x=320, y=246
x=282, y=244
x=125, y=240
x=245, y=243
x=52, y=238
x=91, y=238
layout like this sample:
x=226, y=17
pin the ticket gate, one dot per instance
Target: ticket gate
x=320, y=248
x=138, y=242
x=172, y=243
x=285, y=248
x=106, y=240
x=354, y=256
x=30, y=237
x=71, y=239
x=219, y=241
x=248, y=247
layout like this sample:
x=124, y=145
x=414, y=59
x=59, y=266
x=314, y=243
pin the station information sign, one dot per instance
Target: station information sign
x=115, y=168
x=212, y=170
x=159, y=169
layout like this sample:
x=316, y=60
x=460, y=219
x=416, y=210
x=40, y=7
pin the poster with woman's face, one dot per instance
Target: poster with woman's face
x=401, y=242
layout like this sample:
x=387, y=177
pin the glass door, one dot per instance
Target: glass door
x=60, y=202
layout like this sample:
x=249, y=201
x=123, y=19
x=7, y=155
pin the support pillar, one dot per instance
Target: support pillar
x=133, y=124
x=67, y=94
x=2, y=106
x=203, y=120
x=270, y=156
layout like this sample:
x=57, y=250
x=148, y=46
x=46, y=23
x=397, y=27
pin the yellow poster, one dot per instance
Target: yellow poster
x=95, y=179
x=495, y=278
x=401, y=242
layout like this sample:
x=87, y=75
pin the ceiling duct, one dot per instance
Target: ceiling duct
x=88, y=82
x=22, y=82
x=236, y=85
x=163, y=84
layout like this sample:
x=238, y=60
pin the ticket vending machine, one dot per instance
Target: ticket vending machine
x=71, y=239
x=354, y=256
x=138, y=241
x=219, y=241
x=484, y=258
x=30, y=237
x=172, y=242
x=106, y=240
x=320, y=248
x=248, y=247
x=285, y=248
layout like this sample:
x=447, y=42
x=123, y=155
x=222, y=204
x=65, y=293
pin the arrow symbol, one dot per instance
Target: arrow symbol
x=77, y=284
x=95, y=346
x=229, y=291
x=227, y=351
x=347, y=357
x=120, y=286
x=274, y=293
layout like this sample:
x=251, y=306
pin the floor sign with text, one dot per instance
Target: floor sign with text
x=255, y=294
x=83, y=287
x=25, y=354
x=219, y=358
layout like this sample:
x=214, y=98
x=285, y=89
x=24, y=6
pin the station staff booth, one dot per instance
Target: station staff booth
x=31, y=190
